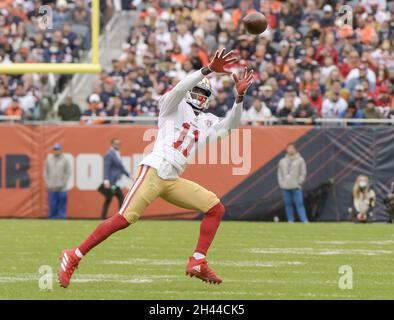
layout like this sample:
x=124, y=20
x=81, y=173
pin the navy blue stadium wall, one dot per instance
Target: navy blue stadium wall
x=334, y=157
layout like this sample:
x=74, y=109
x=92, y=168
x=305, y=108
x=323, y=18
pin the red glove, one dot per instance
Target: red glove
x=242, y=84
x=220, y=60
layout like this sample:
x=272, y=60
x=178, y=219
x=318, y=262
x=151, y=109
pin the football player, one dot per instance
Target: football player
x=183, y=127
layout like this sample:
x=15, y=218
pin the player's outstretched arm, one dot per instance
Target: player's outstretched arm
x=233, y=117
x=170, y=101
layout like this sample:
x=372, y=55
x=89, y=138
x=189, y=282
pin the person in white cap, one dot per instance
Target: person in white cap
x=328, y=16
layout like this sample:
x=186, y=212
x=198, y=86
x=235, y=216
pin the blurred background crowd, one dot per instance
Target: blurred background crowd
x=312, y=62
x=23, y=40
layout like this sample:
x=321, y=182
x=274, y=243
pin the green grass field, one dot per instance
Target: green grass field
x=147, y=261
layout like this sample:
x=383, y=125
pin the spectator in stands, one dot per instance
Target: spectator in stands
x=95, y=109
x=68, y=110
x=305, y=109
x=308, y=83
x=26, y=99
x=184, y=39
x=269, y=99
x=113, y=171
x=60, y=14
x=370, y=111
x=351, y=59
x=148, y=105
x=334, y=105
x=243, y=10
x=80, y=19
x=117, y=72
x=356, y=76
x=218, y=105
x=129, y=100
x=108, y=91
x=383, y=101
x=95, y=105
x=352, y=112
x=328, y=68
x=57, y=52
x=72, y=41
x=57, y=172
x=316, y=100
x=14, y=109
x=289, y=93
x=259, y=113
x=306, y=62
x=286, y=113
x=359, y=97
x=43, y=88
x=328, y=16
x=116, y=108
x=327, y=48
x=334, y=76
x=291, y=177
x=364, y=199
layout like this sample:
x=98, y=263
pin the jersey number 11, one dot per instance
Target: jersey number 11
x=178, y=144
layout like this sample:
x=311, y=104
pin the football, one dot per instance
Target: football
x=255, y=23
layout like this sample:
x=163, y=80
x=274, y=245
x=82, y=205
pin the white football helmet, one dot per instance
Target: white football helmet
x=196, y=96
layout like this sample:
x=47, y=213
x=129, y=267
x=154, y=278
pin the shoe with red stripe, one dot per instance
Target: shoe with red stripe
x=68, y=263
x=199, y=268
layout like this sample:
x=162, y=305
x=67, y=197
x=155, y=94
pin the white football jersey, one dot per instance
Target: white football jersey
x=181, y=131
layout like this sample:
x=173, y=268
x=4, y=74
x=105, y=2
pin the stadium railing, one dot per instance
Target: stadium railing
x=10, y=118
x=150, y=119
x=139, y=119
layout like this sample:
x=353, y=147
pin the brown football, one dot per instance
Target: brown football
x=255, y=23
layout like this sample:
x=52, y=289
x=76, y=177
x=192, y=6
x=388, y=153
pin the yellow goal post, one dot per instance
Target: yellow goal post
x=64, y=68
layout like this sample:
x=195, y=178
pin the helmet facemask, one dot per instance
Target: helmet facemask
x=199, y=97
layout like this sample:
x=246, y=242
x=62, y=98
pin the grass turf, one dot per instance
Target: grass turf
x=147, y=261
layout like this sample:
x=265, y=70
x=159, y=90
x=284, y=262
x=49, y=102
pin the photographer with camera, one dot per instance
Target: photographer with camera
x=364, y=199
x=389, y=203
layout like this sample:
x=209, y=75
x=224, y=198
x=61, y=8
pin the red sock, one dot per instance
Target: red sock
x=208, y=227
x=103, y=231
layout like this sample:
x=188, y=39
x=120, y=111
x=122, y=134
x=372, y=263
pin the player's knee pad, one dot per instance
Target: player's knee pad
x=131, y=216
x=217, y=210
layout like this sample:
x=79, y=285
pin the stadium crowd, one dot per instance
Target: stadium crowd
x=26, y=36
x=311, y=62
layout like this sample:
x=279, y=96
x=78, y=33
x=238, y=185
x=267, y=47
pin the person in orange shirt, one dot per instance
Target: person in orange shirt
x=14, y=109
x=18, y=11
x=366, y=33
x=280, y=65
x=307, y=83
x=197, y=53
x=5, y=3
x=177, y=54
x=270, y=5
x=243, y=10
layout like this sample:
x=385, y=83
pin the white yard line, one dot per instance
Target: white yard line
x=315, y=251
x=227, y=263
x=230, y=293
x=93, y=278
x=342, y=242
